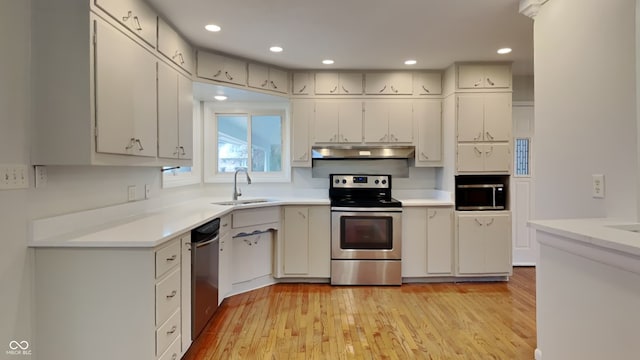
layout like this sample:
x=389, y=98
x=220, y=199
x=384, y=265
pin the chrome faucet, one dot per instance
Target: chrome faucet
x=236, y=191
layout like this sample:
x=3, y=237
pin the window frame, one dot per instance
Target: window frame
x=210, y=135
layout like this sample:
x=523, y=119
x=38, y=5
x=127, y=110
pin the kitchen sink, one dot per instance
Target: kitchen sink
x=242, y=202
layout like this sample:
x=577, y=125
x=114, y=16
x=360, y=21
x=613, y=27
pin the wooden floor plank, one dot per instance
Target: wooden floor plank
x=414, y=321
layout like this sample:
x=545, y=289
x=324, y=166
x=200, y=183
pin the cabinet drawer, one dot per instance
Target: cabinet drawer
x=173, y=352
x=255, y=217
x=167, y=296
x=166, y=258
x=167, y=333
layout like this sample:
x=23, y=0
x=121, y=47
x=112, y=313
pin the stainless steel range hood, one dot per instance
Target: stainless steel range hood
x=362, y=152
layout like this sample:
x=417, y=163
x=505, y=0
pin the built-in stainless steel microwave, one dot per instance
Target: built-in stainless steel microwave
x=481, y=197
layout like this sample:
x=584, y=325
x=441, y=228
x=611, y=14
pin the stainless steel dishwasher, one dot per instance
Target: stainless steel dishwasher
x=204, y=275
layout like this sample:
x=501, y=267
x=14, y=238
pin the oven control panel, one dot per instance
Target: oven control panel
x=361, y=181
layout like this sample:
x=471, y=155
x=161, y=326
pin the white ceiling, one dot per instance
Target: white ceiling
x=358, y=34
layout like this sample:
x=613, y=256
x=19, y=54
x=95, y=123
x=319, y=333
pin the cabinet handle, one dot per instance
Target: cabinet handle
x=334, y=89
x=172, y=258
x=488, y=152
x=131, y=143
x=178, y=55
x=174, y=356
x=478, y=137
x=344, y=89
x=381, y=90
x=129, y=13
x=424, y=156
x=137, y=21
x=489, y=136
x=334, y=138
x=303, y=156
x=394, y=89
x=433, y=215
x=173, y=329
x=301, y=214
x=177, y=150
x=273, y=85
x=140, y=148
x=183, y=152
x=225, y=224
x=302, y=89
x=478, y=221
x=218, y=73
x=383, y=138
x=477, y=151
x=478, y=83
x=425, y=89
x=226, y=73
x=173, y=293
x=490, y=222
x=264, y=83
x=490, y=82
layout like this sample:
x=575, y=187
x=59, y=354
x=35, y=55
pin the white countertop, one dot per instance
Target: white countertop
x=150, y=229
x=604, y=233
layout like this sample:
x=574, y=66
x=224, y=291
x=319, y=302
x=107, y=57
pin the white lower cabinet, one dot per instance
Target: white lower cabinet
x=305, y=249
x=251, y=256
x=427, y=241
x=225, y=259
x=484, y=242
x=110, y=303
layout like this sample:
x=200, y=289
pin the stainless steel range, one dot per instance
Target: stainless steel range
x=366, y=231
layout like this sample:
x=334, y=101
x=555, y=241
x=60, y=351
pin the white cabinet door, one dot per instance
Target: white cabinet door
x=497, y=117
x=278, y=80
x=400, y=121
x=428, y=116
x=350, y=121
x=174, y=47
x=414, y=242
x=484, y=243
x=301, y=83
x=427, y=83
x=225, y=267
x=440, y=241
x=135, y=15
x=302, y=112
x=296, y=240
x=376, y=122
x=470, y=157
x=470, y=117
x=470, y=76
x=126, y=113
x=319, y=242
x=325, y=124
x=221, y=68
x=185, y=117
x=327, y=83
x=497, y=76
x=484, y=76
x=258, y=76
x=497, y=157
x=185, y=301
x=497, y=231
x=168, y=146
x=389, y=83
x=350, y=84
x=471, y=245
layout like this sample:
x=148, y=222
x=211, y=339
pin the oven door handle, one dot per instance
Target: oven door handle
x=367, y=209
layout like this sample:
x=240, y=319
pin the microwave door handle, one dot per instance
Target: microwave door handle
x=493, y=190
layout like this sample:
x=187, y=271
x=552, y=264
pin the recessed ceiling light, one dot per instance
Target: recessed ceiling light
x=220, y=97
x=213, y=28
x=328, y=61
x=410, y=62
x=276, y=49
x=504, y=51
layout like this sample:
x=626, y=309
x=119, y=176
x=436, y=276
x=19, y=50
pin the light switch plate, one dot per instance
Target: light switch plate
x=14, y=177
x=598, y=186
x=131, y=193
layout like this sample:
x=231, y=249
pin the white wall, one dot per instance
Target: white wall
x=585, y=108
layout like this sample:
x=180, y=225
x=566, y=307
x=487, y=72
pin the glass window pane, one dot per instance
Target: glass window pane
x=266, y=143
x=232, y=142
x=522, y=157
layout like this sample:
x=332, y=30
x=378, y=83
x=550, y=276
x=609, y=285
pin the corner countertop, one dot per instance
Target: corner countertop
x=148, y=229
x=611, y=234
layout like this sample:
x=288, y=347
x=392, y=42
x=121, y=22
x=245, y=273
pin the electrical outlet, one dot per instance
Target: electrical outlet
x=598, y=186
x=147, y=191
x=131, y=191
x=14, y=177
x=40, y=175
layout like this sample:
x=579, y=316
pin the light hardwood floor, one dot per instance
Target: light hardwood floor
x=413, y=321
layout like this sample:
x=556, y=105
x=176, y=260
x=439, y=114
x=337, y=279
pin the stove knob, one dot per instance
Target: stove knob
x=377, y=182
x=337, y=181
x=384, y=182
x=344, y=181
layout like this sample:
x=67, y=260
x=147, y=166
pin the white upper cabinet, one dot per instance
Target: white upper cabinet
x=175, y=116
x=484, y=158
x=338, y=122
x=484, y=76
x=333, y=83
x=427, y=83
x=267, y=78
x=388, y=121
x=135, y=15
x=302, y=112
x=388, y=83
x=126, y=115
x=221, y=68
x=174, y=47
x=484, y=117
x=302, y=83
x=428, y=117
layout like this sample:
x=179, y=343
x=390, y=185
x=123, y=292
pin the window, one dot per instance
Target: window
x=522, y=157
x=254, y=140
